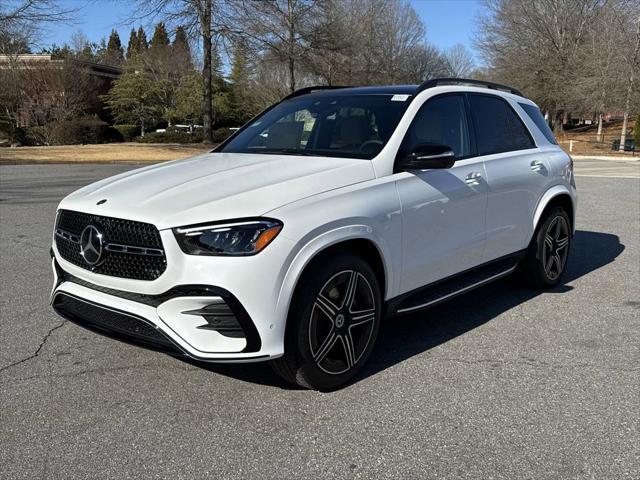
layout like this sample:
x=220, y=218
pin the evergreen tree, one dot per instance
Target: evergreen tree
x=181, y=50
x=241, y=105
x=142, y=40
x=114, y=54
x=101, y=52
x=133, y=48
x=133, y=99
x=160, y=37
x=189, y=99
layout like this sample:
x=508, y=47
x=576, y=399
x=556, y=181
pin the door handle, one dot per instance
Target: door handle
x=537, y=166
x=473, y=178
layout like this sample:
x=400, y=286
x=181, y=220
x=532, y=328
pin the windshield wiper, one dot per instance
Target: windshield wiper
x=286, y=151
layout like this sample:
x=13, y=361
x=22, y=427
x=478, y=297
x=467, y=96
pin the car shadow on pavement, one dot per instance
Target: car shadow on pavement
x=404, y=337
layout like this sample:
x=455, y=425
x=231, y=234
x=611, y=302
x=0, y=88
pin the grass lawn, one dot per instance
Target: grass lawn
x=105, y=153
x=585, y=141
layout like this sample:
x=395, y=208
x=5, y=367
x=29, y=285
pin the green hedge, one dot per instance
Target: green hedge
x=127, y=132
x=9, y=133
x=171, y=136
x=72, y=132
x=221, y=134
x=636, y=133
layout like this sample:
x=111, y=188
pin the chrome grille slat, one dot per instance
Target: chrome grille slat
x=132, y=249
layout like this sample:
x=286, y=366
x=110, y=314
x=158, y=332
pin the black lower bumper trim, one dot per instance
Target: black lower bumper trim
x=113, y=323
x=249, y=330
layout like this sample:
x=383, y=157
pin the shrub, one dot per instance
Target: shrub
x=127, y=132
x=171, y=136
x=221, y=134
x=37, y=135
x=636, y=133
x=9, y=133
x=71, y=132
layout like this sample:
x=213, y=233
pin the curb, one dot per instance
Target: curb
x=617, y=158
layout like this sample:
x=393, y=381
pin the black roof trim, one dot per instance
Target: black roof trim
x=305, y=90
x=436, y=82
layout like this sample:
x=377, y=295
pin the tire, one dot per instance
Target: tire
x=332, y=324
x=548, y=251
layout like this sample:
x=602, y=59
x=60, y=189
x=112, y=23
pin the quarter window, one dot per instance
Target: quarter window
x=498, y=128
x=535, y=114
x=440, y=121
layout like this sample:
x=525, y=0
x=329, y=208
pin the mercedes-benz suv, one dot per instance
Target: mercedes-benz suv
x=330, y=210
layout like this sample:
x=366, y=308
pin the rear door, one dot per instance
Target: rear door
x=517, y=173
x=443, y=210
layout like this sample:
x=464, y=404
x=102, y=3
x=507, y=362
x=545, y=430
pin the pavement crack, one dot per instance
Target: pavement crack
x=37, y=352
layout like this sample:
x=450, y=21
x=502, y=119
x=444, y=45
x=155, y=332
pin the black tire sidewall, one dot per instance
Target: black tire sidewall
x=308, y=373
x=538, y=266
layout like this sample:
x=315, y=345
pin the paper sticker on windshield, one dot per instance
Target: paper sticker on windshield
x=399, y=98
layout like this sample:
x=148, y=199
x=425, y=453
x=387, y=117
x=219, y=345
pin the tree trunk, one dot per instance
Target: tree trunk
x=623, y=134
x=292, y=39
x=207, y=107
x=558, y=127
x=599, y=134
x=627, y=106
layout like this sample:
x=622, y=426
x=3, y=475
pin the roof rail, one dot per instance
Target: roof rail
x=305, y=90
x=435, y=82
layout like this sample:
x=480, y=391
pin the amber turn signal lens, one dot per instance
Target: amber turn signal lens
x=265, y=237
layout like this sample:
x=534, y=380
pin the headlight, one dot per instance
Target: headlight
x=238, y=238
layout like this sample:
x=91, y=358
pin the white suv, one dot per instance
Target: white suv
x=332, y=209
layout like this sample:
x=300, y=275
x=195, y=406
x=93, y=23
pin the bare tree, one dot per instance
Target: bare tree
x=287, y=29
x=358, y=45
x=633, y=66
x=33, y=11
x=600, y=58
x=459, y=61
x=536, y=44
x=202, y=19
x=24, y=18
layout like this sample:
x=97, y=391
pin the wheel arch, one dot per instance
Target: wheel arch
x=356, y=239
x=558, y=195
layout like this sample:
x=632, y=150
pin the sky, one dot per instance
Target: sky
x=448, y=22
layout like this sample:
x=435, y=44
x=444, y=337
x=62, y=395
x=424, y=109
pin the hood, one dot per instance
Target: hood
x=215, y=186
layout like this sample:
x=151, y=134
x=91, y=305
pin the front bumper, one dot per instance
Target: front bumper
x=202, y=322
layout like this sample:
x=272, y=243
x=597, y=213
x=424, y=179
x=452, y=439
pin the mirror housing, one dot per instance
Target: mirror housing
x=428, y=156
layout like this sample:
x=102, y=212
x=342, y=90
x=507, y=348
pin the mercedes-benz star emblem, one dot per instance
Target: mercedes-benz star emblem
x=91, y=245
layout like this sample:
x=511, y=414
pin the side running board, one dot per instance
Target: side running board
x=448, y=288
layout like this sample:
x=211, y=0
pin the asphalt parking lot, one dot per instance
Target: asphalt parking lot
x=502, y=383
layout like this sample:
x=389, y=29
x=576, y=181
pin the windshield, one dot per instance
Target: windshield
x=355, y=126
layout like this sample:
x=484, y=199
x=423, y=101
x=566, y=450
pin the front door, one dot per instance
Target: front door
x=443, y=209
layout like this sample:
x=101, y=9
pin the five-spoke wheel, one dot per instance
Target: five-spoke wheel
x=547, y=256
x=342, y=320
x=333, y=323
x=556, y=247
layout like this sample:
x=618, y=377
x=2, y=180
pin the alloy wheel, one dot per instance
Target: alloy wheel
x=342, y=322
x=556, y=247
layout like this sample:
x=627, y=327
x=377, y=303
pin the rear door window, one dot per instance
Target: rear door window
x=498, y=128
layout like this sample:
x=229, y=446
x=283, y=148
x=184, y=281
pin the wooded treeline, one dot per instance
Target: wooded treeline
x=218, y=62
x=573, y=57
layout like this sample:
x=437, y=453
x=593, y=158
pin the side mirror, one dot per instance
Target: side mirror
x=427, y=156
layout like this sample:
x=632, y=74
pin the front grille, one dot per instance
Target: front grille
x=110, y=322
x=132, y=249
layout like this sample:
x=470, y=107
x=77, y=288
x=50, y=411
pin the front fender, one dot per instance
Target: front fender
x=301, y=257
